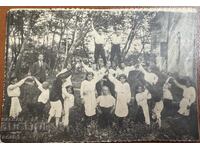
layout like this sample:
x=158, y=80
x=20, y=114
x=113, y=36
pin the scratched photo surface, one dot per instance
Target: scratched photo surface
x=100, y=75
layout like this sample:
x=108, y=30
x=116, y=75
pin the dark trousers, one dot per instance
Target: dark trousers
x=32, y=110
x=40, y=110
x=105, y=118
x=168, y=109
x=115, y=50
x=99, y=51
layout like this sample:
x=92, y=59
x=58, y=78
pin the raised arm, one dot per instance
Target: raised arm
x=193, y=96
x=130, y=68
x=168, y=79
x=66, y=73
x=113, y=79
x=93, y=29
x=141, y=68
x=39, y=84
x=179, y=85
x=98, y=77
x=87, y=68
x=67, y=82
x=18, y=84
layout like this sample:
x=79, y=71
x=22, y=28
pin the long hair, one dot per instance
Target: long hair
x=122, y=75
x=87, y=74
x=71, y=87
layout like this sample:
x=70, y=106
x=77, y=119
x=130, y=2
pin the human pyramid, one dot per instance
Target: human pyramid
x=105, y=90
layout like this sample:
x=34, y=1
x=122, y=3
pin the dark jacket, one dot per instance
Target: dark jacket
x=39, y=71
x=56, y=90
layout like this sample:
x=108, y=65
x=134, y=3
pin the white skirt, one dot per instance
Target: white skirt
x=15, y=108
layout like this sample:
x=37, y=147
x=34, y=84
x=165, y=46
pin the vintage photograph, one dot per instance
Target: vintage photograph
x=100, y=75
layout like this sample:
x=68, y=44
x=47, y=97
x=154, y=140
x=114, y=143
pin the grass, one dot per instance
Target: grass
x=40, y=131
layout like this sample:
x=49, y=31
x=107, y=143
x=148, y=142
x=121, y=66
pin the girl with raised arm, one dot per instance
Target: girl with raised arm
x=14, y=92
x=123, y=92
x=88, y=94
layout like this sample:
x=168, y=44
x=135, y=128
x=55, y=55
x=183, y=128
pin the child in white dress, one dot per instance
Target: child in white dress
x=68, y=96
x=14, y=92
x=141, y=98
x=123, y=92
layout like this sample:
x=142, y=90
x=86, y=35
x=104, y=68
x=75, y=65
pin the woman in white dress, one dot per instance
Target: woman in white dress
x=88, y=94
x=14, y=92
x=123, y=92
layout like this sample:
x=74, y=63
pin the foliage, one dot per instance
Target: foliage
x=63, y=34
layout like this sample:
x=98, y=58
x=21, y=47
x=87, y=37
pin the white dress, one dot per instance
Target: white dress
x=14, y=92
x=189, y=97
x=123, y=97
x=88, y=94
x=68, y=103
x=141, y=99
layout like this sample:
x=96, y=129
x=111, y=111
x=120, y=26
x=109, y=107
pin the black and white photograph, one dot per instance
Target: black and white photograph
x=100, y=75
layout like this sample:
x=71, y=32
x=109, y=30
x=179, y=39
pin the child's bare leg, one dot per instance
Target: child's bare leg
x=57, y=121
x=159, y=122
x=49, y=119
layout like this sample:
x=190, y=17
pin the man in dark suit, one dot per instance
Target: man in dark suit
x=39, y=69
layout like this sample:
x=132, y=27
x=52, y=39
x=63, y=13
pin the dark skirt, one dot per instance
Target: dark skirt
x=105, y=118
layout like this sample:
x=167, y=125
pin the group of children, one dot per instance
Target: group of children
x=110, y=100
